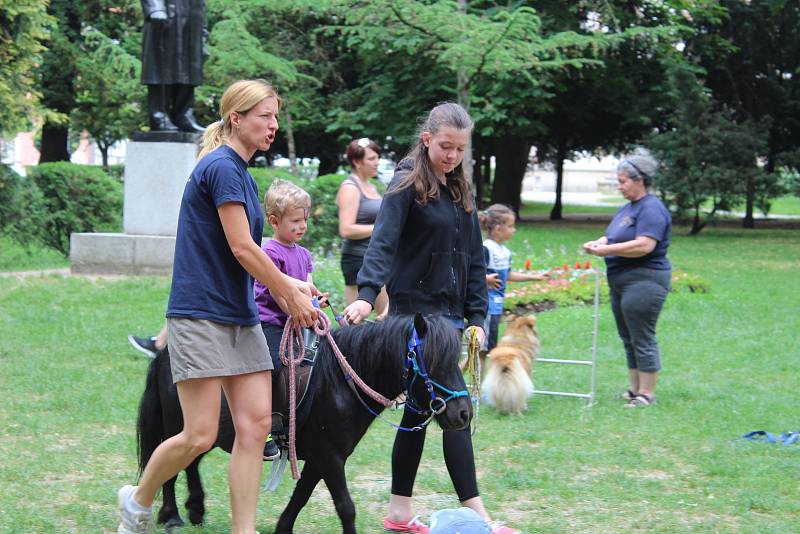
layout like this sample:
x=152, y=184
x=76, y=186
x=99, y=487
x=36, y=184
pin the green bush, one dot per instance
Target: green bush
x=323, y=223
x=75, y=198
x=116, y=171
x=10, y=183
x=19, y=201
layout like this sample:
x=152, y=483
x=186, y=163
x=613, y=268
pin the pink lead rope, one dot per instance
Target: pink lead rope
x=291, y=335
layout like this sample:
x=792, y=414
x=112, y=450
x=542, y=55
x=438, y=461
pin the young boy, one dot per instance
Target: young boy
x=286, y=207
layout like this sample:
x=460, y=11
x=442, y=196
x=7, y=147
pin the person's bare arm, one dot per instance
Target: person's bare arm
x=293, y=298
x=347, y=200
x=635, y=248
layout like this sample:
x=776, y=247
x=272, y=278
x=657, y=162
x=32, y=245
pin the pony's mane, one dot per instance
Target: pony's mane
x=373, y=346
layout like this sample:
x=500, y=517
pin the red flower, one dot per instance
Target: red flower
x=527, y=264
x=566, y=267
x=588, y=265
x=577, y=265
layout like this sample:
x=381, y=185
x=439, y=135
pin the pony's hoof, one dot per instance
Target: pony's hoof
x=173, y=523
x=196, y=517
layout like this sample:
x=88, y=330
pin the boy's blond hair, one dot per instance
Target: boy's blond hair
x=283, y=195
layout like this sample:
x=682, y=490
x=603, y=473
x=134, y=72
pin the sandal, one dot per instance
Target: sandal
x=627, y=396
x=413, y=526
x=641, y=400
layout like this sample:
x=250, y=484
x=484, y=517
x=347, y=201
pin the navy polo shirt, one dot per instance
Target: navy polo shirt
x=645, y=217
x=208, y=282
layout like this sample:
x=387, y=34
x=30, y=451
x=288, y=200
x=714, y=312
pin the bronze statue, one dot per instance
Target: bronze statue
x=172, y=61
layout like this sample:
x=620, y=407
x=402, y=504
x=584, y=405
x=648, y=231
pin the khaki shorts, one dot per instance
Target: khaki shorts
x=199, y=348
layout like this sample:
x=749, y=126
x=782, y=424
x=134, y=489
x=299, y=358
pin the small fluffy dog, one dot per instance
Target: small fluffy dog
x=508, y=382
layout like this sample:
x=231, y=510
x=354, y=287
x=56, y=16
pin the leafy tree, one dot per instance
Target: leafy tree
x=23, y=30
x=58, y=71
x=706, y=157
x=108, y=92
x=750, y=57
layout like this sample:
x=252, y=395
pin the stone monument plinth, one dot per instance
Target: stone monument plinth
x=157, y=165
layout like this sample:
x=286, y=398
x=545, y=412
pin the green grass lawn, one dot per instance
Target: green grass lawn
x=16, y=257
x=70, y=387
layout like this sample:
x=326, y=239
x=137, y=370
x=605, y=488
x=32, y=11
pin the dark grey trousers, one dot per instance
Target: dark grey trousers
x=637, y=296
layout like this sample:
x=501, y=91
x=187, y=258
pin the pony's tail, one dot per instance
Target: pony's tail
x=149, y=426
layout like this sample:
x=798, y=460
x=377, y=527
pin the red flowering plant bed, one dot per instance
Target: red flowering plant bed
x=570, y=285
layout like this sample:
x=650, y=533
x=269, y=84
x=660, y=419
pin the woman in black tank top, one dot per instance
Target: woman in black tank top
x=359, y=202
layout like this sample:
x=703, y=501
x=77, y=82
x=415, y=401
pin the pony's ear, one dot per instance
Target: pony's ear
x=420, y=325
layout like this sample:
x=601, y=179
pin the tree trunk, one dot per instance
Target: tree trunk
x=696, y=224
x=103, y=148
x=512, y=154
x=561, y=154
x=290, y=142
x=749, y=221
x=462, y=96
x=327, y=164
x=477, y=175
x=54, y=143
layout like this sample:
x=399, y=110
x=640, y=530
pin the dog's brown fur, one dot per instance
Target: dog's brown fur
x=508, y=384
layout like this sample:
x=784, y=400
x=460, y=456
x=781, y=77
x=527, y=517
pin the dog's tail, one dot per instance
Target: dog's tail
x=508, y=387
x=149, y=425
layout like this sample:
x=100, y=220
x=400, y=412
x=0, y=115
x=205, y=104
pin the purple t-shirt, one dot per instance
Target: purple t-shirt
x=292, y=260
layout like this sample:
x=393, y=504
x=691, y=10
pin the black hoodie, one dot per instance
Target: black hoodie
x=430, y=258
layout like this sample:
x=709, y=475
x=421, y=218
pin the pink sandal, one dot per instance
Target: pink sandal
x=500, y=528
x=413, y=526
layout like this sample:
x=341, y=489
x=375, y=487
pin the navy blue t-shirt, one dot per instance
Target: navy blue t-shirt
x=646, y=217
x=207, y=280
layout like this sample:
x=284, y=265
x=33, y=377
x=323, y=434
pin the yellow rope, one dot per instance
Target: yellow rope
x=474, y=370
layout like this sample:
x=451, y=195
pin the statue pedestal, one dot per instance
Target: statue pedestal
x=157, y=166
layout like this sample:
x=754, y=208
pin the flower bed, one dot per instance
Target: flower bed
x=575, y=286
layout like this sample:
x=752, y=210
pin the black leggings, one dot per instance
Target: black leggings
x=458, y=456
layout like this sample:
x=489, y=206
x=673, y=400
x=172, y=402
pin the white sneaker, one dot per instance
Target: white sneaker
x=132, y=521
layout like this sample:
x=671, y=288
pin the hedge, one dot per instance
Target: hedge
x=74, y=198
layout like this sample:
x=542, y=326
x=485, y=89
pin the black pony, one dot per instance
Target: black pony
x=377, y=352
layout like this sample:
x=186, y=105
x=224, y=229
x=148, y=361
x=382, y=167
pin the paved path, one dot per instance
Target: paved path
x=42, y=272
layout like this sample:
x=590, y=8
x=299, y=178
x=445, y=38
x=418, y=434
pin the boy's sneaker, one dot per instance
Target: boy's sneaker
x=413, y=526
x=134, y=519
x=271, y=450
x=145, y=345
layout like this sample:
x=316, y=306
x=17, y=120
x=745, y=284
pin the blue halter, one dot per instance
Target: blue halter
x=415, y=367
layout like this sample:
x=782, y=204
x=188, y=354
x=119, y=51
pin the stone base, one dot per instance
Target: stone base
x=155, y=177
x=121, y=254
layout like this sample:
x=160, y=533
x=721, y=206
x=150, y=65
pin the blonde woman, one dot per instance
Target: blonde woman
x=214, y=334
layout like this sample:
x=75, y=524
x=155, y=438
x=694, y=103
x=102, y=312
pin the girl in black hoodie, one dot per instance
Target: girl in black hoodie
x=426, y=248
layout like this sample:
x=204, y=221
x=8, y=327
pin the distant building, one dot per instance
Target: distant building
x=20, y=152
x=588, y=174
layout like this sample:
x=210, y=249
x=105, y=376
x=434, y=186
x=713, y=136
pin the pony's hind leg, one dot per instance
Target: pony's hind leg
x=309, y=478
x=168, y=514
x=195, y=502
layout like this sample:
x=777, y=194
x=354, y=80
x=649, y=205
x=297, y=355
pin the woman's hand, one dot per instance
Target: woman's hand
x=595, y=248
x=294, y=297
x=480, y=332
x=357, y=311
